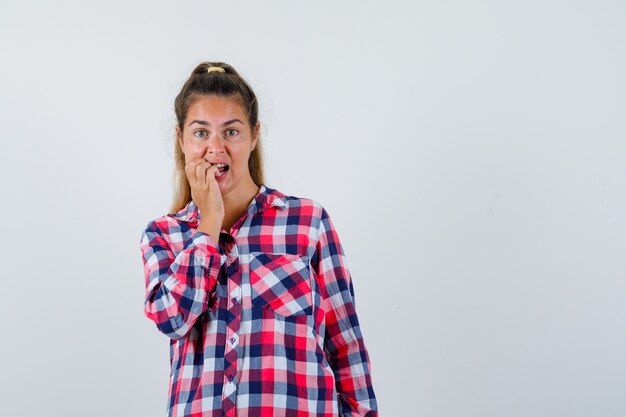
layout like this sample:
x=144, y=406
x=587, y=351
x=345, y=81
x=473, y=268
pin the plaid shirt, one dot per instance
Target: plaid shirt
x=263, y=324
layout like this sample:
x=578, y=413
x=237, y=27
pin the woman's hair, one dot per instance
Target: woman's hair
x=202, y=83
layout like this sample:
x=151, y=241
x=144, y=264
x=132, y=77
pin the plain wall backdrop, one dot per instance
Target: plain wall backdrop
x=471, y=155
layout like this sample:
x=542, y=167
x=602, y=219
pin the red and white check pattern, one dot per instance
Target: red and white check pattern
x=263, y=324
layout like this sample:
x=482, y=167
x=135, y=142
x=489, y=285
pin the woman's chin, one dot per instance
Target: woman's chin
x=226, y=185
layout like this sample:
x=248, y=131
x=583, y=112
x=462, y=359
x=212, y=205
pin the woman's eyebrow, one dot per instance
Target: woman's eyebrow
x=204, y=122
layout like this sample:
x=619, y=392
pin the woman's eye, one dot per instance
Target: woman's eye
x=234, y=132
x=200, y=133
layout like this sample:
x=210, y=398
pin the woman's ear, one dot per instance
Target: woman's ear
x=255, y=135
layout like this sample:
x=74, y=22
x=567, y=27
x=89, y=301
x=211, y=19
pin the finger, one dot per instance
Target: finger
x=188, y=172
x=195, y=162
x=200, y=171
x=190, y=169
x=210, y=173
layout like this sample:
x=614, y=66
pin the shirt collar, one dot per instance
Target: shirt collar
x=266, y=197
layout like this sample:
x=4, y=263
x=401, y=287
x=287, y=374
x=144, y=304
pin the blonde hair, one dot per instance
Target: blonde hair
x=204, y=83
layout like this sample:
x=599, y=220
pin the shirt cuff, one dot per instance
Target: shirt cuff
x=202, y=241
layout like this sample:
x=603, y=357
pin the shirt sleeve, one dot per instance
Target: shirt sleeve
x=181, y=287
x=343, y=343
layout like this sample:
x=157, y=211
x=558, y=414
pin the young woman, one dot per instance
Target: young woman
x=249, y=284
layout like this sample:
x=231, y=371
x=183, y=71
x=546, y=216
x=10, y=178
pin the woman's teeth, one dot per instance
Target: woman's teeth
x=221, y=168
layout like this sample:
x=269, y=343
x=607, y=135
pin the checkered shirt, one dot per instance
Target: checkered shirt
x=262, y=324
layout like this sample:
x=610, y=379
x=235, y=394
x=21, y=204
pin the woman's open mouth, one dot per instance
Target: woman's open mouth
x=221, y=169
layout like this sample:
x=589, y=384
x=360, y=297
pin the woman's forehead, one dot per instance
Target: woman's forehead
x=217, y=108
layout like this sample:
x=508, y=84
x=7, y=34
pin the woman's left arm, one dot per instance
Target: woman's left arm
x=343, y=343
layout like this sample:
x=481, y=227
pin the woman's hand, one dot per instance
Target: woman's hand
x=205, y=192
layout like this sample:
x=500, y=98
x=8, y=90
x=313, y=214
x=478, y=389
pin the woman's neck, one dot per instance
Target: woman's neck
x=235, y=205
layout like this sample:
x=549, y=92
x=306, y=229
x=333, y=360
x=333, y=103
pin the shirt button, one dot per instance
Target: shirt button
x=233, y=340
x=235, y=300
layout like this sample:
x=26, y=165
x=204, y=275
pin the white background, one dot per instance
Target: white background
x=471, y=155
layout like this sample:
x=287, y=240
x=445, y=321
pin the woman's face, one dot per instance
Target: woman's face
x=217, y=130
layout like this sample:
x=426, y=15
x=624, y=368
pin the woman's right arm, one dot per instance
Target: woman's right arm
x=179, y=288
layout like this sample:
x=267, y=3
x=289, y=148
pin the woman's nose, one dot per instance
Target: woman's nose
x=215, y=144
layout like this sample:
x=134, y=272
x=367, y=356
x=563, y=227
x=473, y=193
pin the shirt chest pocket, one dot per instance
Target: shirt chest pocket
x=281, y=282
